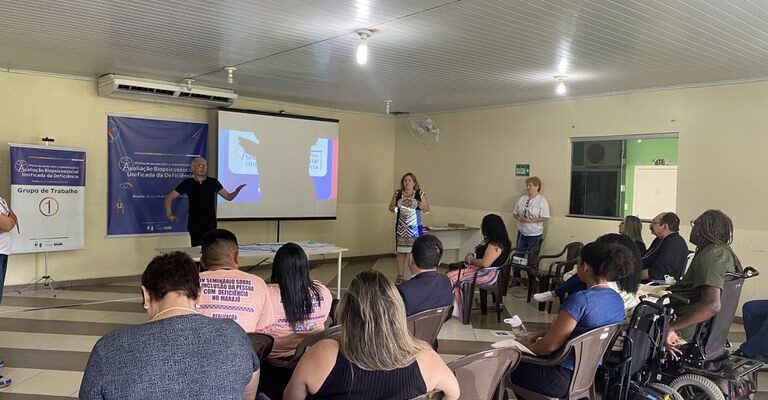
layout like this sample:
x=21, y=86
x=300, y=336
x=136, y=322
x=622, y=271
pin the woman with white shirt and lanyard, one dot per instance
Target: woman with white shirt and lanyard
x=531, y=210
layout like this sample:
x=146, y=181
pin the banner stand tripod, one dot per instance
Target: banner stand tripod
x=46, y=279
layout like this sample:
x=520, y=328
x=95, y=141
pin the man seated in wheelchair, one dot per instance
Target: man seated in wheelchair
x=697, y=337
x=702, y=283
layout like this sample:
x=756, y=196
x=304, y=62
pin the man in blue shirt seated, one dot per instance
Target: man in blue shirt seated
x=427, y=289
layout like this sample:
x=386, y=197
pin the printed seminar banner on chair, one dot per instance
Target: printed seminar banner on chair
x=147, y=158
x=48, y=196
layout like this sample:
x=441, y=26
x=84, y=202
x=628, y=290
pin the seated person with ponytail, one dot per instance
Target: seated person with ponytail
x=597, y=306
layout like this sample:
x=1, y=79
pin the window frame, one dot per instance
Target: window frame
x=607, y=138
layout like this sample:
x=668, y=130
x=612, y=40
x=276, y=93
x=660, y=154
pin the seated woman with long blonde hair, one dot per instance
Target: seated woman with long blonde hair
x=376, y=357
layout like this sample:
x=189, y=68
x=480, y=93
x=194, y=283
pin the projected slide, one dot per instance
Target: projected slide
x=290, y=165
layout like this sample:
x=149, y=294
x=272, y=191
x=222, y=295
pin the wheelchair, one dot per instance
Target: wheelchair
x=706, y=370
x=631, y=369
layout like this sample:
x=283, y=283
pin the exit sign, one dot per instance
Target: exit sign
x=522, y=169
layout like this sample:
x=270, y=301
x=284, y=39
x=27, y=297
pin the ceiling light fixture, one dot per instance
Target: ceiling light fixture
x=189, y=84
x=362, y=49
x=388, y=103
x=230, y=74
x=560, y=84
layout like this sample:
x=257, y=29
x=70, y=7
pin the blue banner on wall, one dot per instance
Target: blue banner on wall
x=147, y=158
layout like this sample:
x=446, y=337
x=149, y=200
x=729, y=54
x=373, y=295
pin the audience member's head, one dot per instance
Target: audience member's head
x=219, y=248
x=632, y=227
x=494, y=231
x=374, y=333
x=426, y=253
x=290, y=271
x=631, y=282
x=413, y=178
x=664, y=224
x=600, y=261
x=713, y=227
x=174, y=273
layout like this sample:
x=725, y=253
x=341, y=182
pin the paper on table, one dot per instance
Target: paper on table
x=513, y=343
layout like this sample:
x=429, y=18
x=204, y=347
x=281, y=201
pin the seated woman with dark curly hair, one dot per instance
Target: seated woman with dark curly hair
x=179, y=353
x=597, y=306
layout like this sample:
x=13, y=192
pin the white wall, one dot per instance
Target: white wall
x=722, y=160
x=70, y=111
x=468, y=174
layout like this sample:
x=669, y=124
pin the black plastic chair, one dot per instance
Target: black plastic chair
x=497, y=289
x=262, y=344
x=558, y=276
x=531, y=256
x=468, y=291
x=332, y=312
x=539, y=279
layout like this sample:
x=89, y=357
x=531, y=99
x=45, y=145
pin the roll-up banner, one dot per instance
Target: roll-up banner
x=147, y=158
x=48, y=197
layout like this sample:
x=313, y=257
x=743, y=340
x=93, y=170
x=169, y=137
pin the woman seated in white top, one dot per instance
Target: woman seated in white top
x=376, y=357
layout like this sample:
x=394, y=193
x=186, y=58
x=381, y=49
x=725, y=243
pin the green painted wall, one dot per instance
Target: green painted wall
x=643, y=153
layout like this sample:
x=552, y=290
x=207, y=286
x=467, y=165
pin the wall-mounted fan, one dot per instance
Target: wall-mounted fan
x=423, y=129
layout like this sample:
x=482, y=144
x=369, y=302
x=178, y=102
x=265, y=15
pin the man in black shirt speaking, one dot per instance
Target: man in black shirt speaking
x=201, y=191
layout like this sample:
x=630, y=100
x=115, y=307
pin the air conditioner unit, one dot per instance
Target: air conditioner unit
x=126, y=87
x=602, y=154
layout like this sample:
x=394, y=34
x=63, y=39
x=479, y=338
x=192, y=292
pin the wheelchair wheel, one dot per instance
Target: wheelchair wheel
x=691, y=386
x=666, y=389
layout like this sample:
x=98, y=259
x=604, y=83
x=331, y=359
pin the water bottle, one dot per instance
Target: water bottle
x=518, y=329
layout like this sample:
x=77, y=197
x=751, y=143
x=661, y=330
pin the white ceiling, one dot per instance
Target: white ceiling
x=429, y=55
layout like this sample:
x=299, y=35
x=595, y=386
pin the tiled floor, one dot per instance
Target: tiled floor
x=45, y=341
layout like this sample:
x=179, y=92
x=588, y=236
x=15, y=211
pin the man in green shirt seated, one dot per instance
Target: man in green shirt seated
x=712, y=233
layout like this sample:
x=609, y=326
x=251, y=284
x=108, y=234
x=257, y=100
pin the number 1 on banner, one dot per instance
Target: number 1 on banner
x=49, y=206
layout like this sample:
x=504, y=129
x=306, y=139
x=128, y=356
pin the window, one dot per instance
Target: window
x=613, y=177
